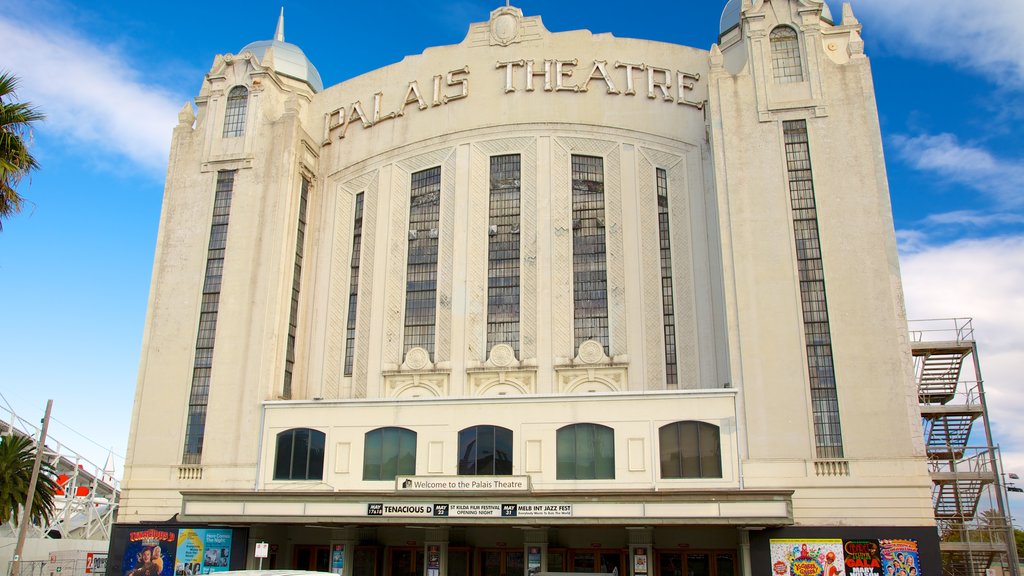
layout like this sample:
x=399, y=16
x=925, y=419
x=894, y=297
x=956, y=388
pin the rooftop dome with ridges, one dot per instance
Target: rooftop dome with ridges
x=288, y=59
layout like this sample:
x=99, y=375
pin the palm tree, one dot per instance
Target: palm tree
x=16, y=161
x=17, y=456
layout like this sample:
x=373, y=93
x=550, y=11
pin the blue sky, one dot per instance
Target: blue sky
x=111, y=75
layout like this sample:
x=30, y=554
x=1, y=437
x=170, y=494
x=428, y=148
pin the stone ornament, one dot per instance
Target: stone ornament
x=505, y=25
x=502, y=356
x=591, y=352
x=417, y=359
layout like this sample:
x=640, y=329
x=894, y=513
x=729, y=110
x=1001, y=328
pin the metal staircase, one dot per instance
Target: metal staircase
x=969, y=499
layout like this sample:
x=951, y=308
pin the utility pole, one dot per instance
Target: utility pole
x=26, y=513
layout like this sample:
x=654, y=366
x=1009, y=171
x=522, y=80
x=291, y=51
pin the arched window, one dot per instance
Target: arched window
x=389, y=452
x=786, y=55
x=585, y=452
x=690, y=450
x=485, y=450
x=300, y=455
x=234, y=114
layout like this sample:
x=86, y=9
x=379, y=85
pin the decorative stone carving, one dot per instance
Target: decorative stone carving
x=591, y=380
x=502, y=383
x=502, y=355
x=505, y=25
x=591, y=352
x=403, y=385
x=417, y=359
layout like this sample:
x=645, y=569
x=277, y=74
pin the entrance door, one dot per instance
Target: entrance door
x=315, y=558
x=405, y=562
x=501, y=563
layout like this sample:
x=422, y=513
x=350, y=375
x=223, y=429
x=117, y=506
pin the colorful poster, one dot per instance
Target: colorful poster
x=807, y=557
x=338, y=559
x=899, y=557
x=862, y=558
x=202, y=551
x=149, y=552
x=533, y=560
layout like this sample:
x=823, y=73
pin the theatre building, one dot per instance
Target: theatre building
x=536, y=302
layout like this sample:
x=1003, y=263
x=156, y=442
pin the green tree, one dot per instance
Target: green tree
x=1018, y=535
x=17, y=456
x=16, y=161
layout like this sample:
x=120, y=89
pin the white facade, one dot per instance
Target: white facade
x=712, y=125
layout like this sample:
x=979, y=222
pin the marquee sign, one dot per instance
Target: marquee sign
x=468, y=510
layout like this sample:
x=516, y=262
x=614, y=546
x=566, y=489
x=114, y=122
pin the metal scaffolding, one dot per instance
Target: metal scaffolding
x=968, y=492
x=87, y=498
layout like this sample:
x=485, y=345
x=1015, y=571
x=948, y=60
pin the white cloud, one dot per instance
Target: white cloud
x=987, y=36
x=981, y=279
x=964, y=164
x=974, y=218
x=90, y=94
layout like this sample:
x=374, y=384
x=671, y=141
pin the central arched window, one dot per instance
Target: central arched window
x=234, y=113
x=300, y=455
x=389, y=452
x=485, y=450
x=585, y=452
x=690, y=449
x=786, y=62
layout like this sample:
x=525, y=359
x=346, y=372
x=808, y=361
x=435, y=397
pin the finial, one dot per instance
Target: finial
x=279, y=34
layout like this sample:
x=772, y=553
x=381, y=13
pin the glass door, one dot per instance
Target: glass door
x=315, y=558
x=405, y=562
x=501, y=563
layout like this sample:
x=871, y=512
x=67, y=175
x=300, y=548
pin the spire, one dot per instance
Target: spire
x=279, y=33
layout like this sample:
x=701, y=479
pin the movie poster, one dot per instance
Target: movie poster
x=862, y=558
x=202, y=551
x=807, y=557
x=899, y=557
x=149, y=552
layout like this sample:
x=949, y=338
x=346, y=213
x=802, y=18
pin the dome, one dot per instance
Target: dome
x=289, y=60
x=731, y=15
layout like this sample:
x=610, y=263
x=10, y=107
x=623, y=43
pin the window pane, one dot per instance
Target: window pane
x=585, y=467
x=565, y=440
x=467, y=452
x=234, y=113
x=389, y=464
x=316, y=455
x=283, y=461
x=485, y=450
x=710, y=451
x=503, y=451
x=407, y=452
x=605, y=452
x=300, y=454
x=671, y=460
x=372, y=449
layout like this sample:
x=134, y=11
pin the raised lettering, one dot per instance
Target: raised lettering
x=412, y=95
x=530, y=74
x=682, y=86
x=453, y=81
x=630, y=90
x=600, y=72
x=510, y=85
x=664, y=85
x=562, y=71
x=377, y=118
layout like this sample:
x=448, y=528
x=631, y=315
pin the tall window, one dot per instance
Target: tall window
x=353, y=286
x=589, y=265
x=389, y=452
x=300, y=455
x=667, y=297
x=199, y=396
x=485, y=450
x=690, y=449
x=293, y=315
x=234, y=113
x=786, y=62
x=824, y=399
x=421, y=271
x=585, y=452
x=503, y=254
